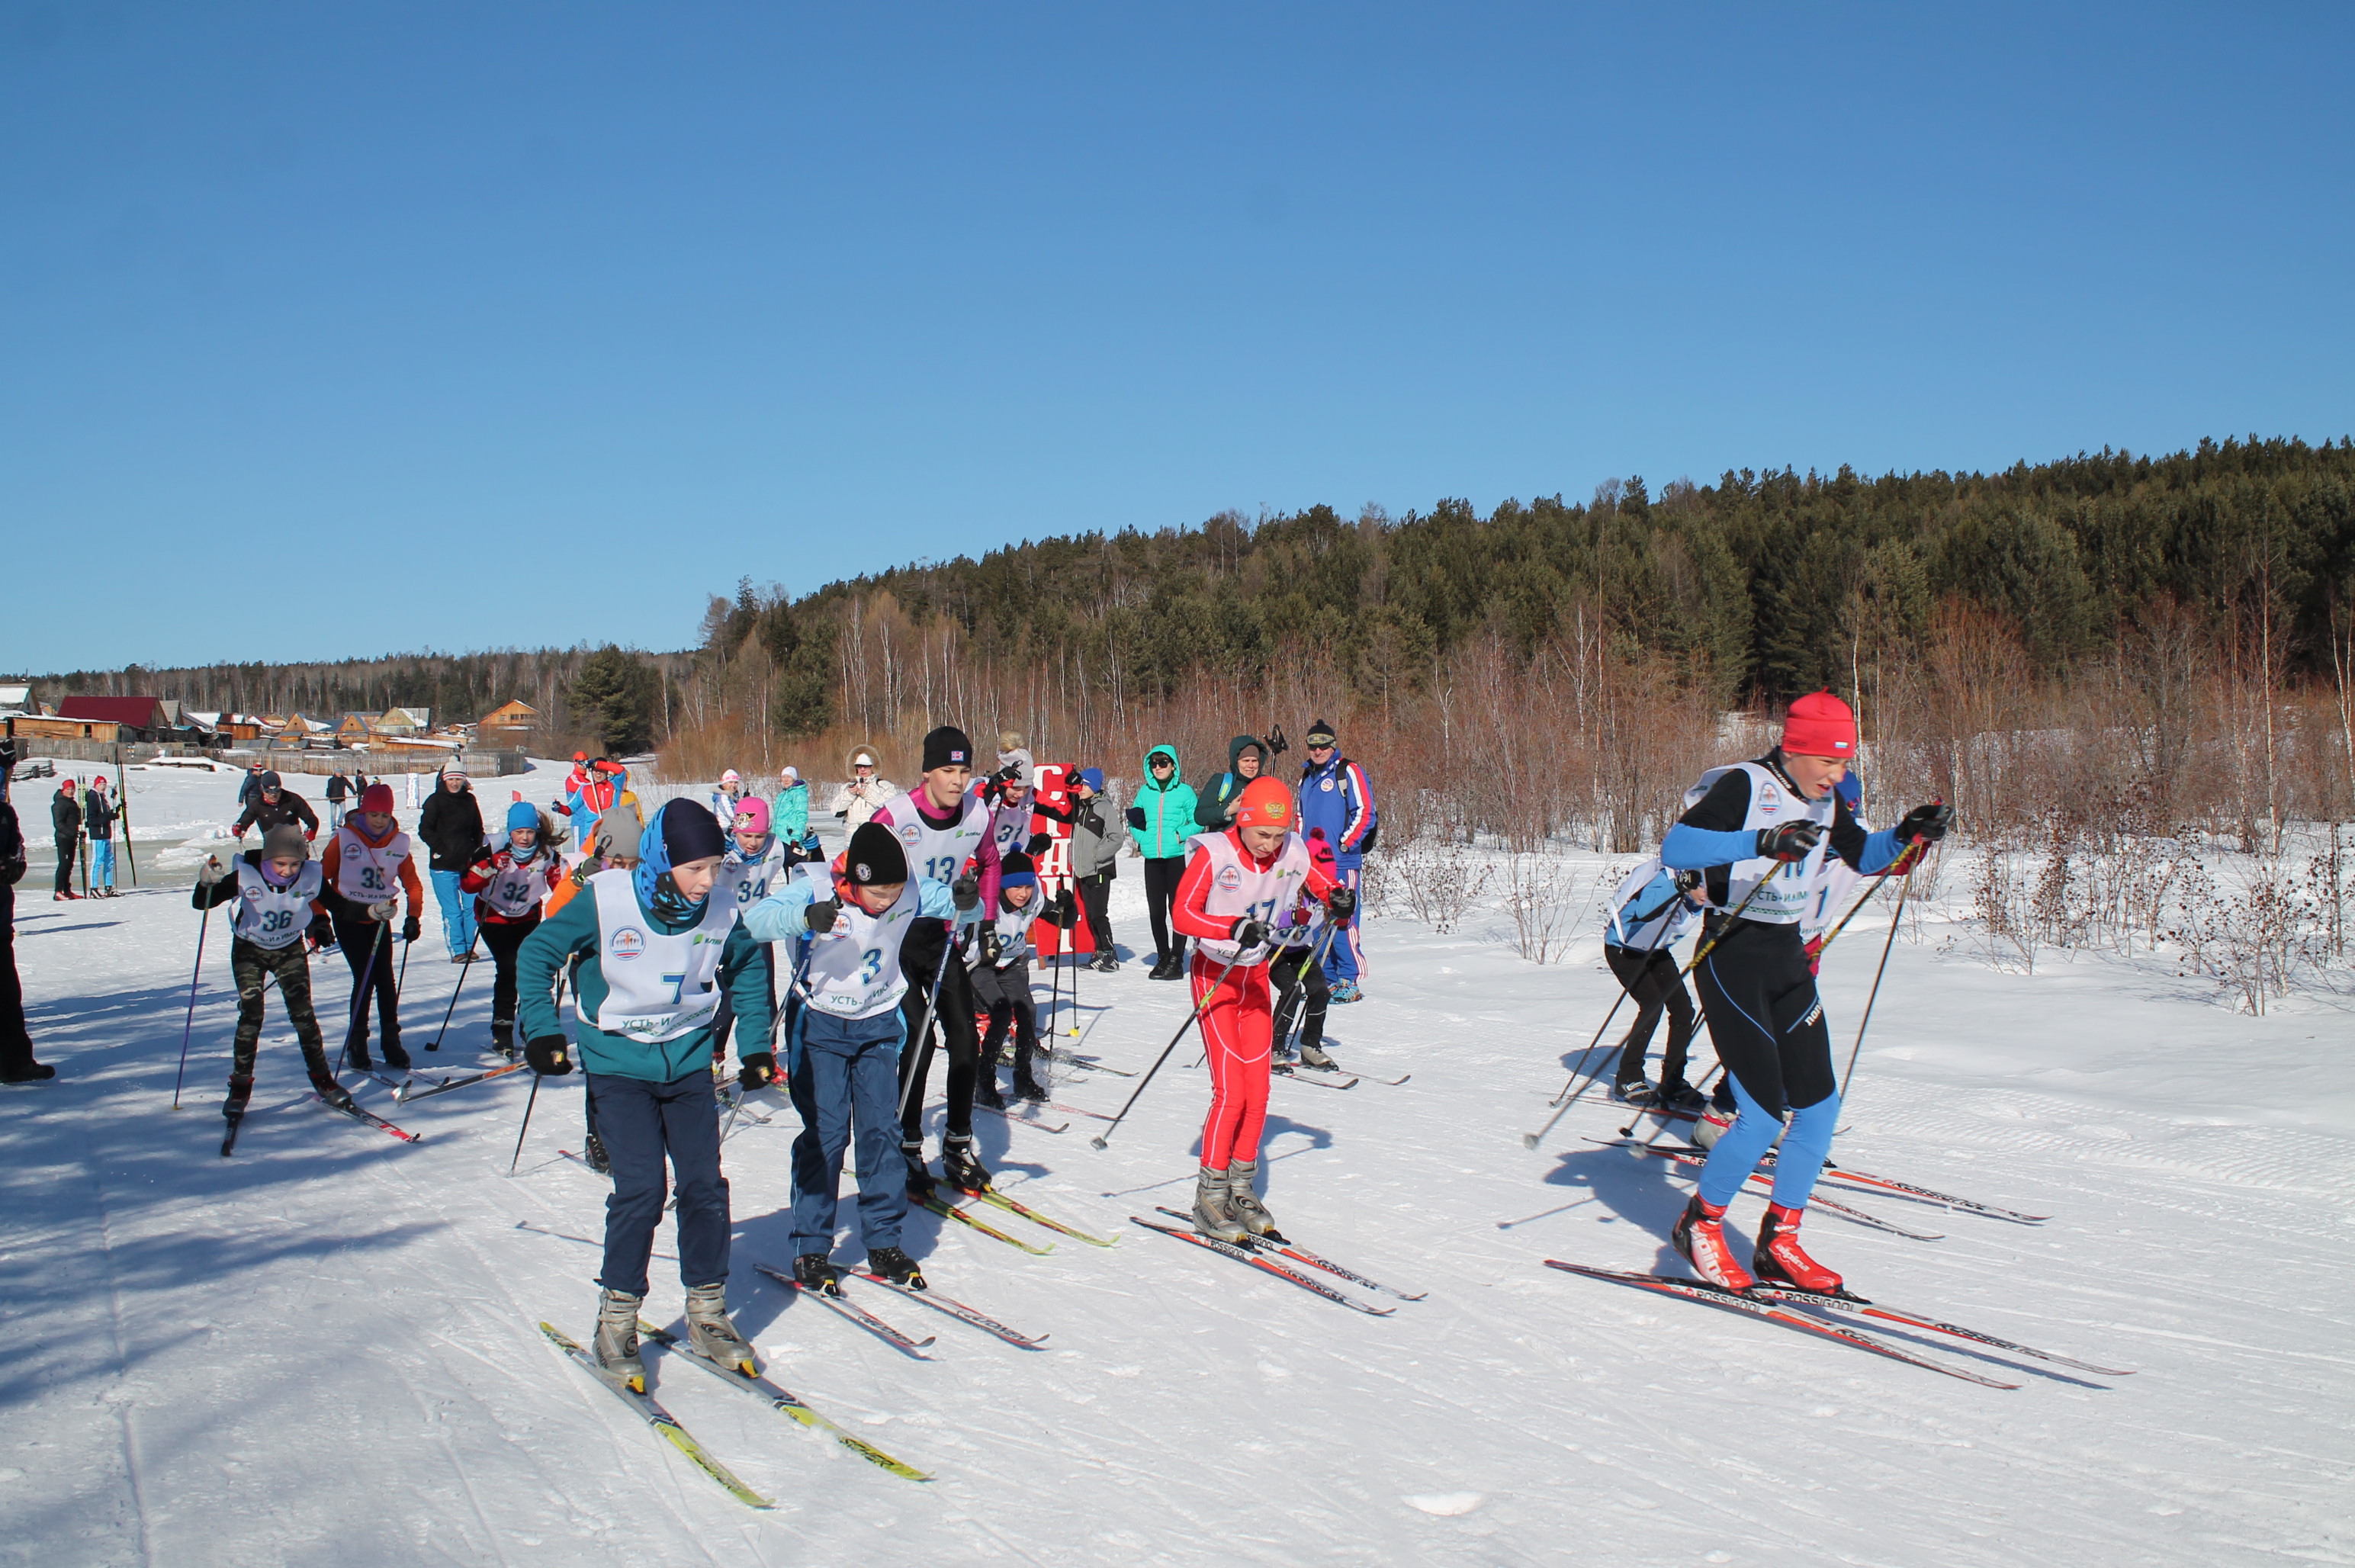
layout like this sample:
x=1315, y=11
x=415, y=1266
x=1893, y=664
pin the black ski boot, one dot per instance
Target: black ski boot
x=1028, y=1088
x=357, y=1057
x=959, y=1169
x=395, y=1056
x=593, y=1150
x=896, y=1266
x=330, y=1091
x=812, y=1271
x=503, y=1037
x=1682, y=1097
x=241, y=1090
x=920, y=1180
x=1635, y=1092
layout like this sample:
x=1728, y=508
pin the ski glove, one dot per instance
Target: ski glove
x=322, y=932
x=1927, y=823
x=757, y=1072
x=991, y=947
x=549, y=1055
x=1248, y=933
x=382, y=913
x=1341, y=902
x=411, y=929
x=1038, y=845
x=820, y=916
x=1791, y=841
x=966, y=893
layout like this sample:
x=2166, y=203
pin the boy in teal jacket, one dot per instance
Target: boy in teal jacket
x=1161, y=822
x=658, y=945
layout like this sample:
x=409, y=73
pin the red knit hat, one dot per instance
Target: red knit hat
x=377, y=797
x=1264, y=803
x=1820, y=725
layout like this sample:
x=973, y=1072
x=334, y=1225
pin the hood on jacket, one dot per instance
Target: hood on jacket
x=1176, y=769
x=1241, y=743
x=874, y=760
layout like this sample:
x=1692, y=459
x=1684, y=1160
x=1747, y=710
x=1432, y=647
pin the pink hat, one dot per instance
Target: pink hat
x=752, y=812
x=1820, y=725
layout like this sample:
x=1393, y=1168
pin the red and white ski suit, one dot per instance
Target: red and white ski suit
x=1223, y=883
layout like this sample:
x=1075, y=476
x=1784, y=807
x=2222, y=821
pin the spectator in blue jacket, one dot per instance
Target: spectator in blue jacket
x=1337, y=800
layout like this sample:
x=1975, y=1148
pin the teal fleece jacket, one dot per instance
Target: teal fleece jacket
x=743, y=970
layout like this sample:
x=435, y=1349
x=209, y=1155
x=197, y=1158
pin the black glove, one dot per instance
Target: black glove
x=758, y=1071
x=1791, y=841
x=1135, y=814
x=322, y=932
x=1248, y=933
x=410, y=929
x=821, y=915
x=966, y=893
x=13, y=871
x=1039, y=844
x=992, y=946
x=551, y=1055
x=1928, y=822
x=1341, y=902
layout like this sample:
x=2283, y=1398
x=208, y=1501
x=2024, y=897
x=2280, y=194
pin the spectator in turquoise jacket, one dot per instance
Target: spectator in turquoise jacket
x=1161, y=822
x=789, y=817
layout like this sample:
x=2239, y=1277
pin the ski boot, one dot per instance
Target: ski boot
x=1699, y=1235
x=1682, y=1097
x=593, y=1151
x=616, y=1346
x=1636, y=1092
x=920, y=1180
x=1710, y=1126
x=1780, y=1260
x=395, y=1055
x=959, y=1169
x=812, y=1271
x=241, y=1090
x=1243, y=1203
x=985, y=1093
x=22, y=1069
x=1314, y=1056
x=896, y=1266
x=357, y=1057
x=1028, y=1088
x=1214, y=1214
x=503, y=1037
x=330, y=1091
x=712, y=1335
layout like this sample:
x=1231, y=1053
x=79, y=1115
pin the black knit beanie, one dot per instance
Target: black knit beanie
x=946, y=747
x=875, y=857
x=691, y=832
x=1321, y=734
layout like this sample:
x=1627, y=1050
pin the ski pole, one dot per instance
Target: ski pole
x=191, y=1022
x=464, y=970
x=528, y=1104
x=1299, y=985
x=1075, y=1030
x=1904, y=891
x=360, y=996
x=405, y=1093
x=130, y=850
x=922, y=1040
x=1101, y=1140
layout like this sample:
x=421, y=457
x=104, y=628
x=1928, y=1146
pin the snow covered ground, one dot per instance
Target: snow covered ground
x=323, y=1349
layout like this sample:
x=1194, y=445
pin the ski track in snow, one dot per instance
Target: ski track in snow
x=325, y=1350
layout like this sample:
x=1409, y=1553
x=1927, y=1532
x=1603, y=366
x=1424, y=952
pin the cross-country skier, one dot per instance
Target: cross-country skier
x=610, y=845
x=1649, y=912
x=509, y=884
x=1759, y=831
x=1000, y=962
x=658, y=947
x=367, y=866
x=1335, y=796
x=857, y=800
x=756, y=860
x=272, y=804
x=1301, y=984
x=943, y=831
x=847, y=1032
x=1238, y=884
x=281, y=897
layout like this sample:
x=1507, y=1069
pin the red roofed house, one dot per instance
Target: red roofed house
x=135, y=718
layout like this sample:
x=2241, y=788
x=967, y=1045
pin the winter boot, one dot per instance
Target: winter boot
x=1699, y=1234
x=896, y=1266
x=959, y=1169
x=395, y=1057
x=920, y=1180
x=616, y=1349
x=812, y=1271
x=1214, y=1215
x=712, y=1335
x=17, y=1066
x=357, y=1057
x=1314, y=1056
x=594, y=1149
x=984, y=1088
x=1244, y=1204
x=1104, y=962
x=1780, y=1260
x=1025, y=1086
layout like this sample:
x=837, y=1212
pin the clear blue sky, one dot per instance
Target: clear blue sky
x=339, y=329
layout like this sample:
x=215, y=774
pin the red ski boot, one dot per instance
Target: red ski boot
x=1780, y=1260
x=1699, y=1234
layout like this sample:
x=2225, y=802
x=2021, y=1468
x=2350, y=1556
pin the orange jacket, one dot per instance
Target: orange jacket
x=333, y=857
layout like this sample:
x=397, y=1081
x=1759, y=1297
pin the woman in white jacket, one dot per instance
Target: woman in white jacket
x=858, y=800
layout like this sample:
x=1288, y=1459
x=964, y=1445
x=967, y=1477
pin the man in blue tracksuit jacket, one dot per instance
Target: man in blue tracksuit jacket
x=1337, y=801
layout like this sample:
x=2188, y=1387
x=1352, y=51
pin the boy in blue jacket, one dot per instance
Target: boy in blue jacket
x=658, y=945
x=845, y=1035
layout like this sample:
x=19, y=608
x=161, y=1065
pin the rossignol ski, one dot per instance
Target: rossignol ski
x=658, y=1418
x=906, y=1343
x=784, y=1399
x=1259, y=1262
x=1276, y=1243
x=956, y=1309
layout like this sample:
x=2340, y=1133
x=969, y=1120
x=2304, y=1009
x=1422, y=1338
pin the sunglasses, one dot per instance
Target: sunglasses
x=1161, y=764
